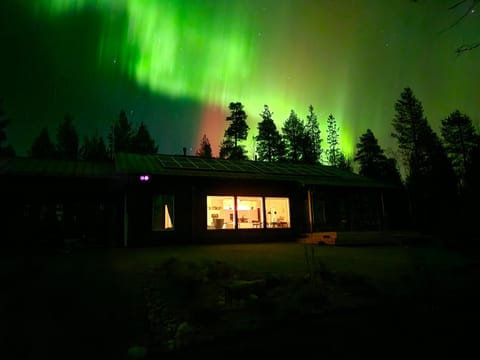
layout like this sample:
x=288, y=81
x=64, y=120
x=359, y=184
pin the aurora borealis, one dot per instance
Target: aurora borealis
x=176, y=64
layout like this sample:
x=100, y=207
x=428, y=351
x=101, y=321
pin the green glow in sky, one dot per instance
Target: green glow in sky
x=184, y=51
x=209, y=51
x=348, y=58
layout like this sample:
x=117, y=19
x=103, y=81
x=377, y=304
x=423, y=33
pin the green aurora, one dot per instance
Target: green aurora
x=348, y=58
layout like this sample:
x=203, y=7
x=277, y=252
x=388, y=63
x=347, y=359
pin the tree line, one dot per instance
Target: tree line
x=298, y=140
x=123, y=136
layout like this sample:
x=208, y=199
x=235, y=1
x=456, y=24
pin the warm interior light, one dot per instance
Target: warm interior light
x=168, y=219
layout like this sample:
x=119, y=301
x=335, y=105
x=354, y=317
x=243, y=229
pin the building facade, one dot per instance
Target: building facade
x=150, y=200
x=181, y=199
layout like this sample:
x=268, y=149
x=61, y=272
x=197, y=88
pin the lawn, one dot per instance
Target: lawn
x=90, y=303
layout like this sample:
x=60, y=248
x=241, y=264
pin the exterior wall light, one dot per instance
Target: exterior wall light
x=144, y=177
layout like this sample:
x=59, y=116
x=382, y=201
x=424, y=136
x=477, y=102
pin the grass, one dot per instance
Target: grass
x=380, y=264
x=89, y=303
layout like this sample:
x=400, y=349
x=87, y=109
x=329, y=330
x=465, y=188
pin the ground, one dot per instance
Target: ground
x=97, y=303
x=341, y=314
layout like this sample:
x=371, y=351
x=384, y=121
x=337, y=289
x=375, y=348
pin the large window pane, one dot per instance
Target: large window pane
x=220, y=210
x=249, y=212
x=278, y=212
x=163, y=212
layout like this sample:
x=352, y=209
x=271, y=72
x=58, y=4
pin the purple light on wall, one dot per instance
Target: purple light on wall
x=144, y=177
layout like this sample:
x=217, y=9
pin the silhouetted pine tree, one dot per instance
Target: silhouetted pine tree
x=373, y=162
x=471, y=196
x=121, y=135
x=43, y=147
x=344, y=162
x=226, y=148
x=67, y=139
x=270, y=146
x=460, y=139
x=6, y=149
x=293, y=131
x=94, y=149
x=410, y=128
x=334, y=155
x=430, y=181
x=236, y=131
x=204, y=149
x=313, y=140
x=142, y=141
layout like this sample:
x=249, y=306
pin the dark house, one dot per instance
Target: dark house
x=145, y=200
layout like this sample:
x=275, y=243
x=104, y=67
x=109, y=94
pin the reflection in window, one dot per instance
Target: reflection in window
x=278, y=212
x=249, y=212
x=220, y=210
x=163, y=212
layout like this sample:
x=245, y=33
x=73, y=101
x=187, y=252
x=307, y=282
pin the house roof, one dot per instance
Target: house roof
x=58, y=168
x=187, y=166
x=178, y=165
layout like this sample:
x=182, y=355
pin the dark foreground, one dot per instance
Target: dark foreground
x=375, y=333
x=89, y=304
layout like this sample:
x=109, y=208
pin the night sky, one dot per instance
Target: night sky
x=176, y=65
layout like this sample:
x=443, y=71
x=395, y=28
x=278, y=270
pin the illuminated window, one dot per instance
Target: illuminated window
x=220, y=212
x=277, y=212
x=249, y=212
x=163, y=212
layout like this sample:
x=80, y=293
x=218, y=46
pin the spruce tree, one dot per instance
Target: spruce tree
x=227, y=148
x=236, y=132
x=94, y=149
x=205, y=149
x=411, y=128
x=344, y=162
x=471, y=195
x=334, y=155
x=293, y=134
x=430, y=181
x=313, y=140
x=142, y=142
x=460, y=139
x=121, y=135
x=373, y=162
x=42, y=146
x=67, y=139
x=270, y=146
